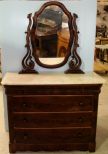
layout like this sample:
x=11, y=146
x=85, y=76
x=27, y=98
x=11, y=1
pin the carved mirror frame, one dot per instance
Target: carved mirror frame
x=30, y=58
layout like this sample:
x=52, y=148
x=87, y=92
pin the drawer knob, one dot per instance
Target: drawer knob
x=25, y=120
x=79, y=134
x=81, y=104
x=24, y=105
x=25, y=136
x=81, y=120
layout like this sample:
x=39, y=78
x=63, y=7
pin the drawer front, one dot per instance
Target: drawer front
x=51, y=136
x=54, y=103
x=52, y=120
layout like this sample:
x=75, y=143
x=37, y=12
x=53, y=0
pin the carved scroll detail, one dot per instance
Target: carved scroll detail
x=27, y=62
x=75, y=62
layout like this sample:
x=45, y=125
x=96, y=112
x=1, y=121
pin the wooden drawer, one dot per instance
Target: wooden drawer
x=51, y=136
x=52, y=120
x=52, y=103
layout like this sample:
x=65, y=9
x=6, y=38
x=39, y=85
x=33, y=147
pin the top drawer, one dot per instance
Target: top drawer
x=54, y=89
x=51, y=103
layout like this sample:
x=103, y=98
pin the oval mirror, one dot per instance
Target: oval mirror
x=52, y=39
x=53, y=36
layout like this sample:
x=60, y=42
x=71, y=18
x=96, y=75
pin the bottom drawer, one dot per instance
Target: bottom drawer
x=52, y=136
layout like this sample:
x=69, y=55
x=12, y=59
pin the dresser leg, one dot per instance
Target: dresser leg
x=12, y=148
x=92, y=147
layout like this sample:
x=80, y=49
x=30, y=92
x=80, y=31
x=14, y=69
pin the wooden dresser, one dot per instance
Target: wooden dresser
x=52, y=111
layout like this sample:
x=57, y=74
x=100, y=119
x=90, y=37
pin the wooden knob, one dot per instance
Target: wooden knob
x=81, y=104
x=24, y=105
x=25, y=120
x=25, y=137
x=79, y=134
x=81, y=119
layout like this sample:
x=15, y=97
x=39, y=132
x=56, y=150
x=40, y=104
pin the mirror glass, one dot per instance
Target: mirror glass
x=52, y=35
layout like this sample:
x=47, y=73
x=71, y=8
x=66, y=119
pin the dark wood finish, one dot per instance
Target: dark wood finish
x=54, y=103
x=40, y=120
x=27, y=62
x=75, y=62
x=52, y=117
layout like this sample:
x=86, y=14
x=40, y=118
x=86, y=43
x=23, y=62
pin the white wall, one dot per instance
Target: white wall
x=13, y=24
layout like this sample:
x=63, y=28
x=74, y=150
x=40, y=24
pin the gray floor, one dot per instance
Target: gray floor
x=102, y=126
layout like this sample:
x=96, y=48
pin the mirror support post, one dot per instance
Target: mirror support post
x=27, y=62
x=75, y=62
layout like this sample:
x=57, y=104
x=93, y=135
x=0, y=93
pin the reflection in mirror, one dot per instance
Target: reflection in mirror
x=52, y=34
x=51, y=61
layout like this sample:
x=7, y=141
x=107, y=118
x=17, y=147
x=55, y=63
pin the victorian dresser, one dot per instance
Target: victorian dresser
x=52, y=112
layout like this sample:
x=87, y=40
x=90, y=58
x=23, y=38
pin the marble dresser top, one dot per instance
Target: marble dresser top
x=51, y=78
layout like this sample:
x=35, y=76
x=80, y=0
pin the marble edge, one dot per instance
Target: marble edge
x=93, y=78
